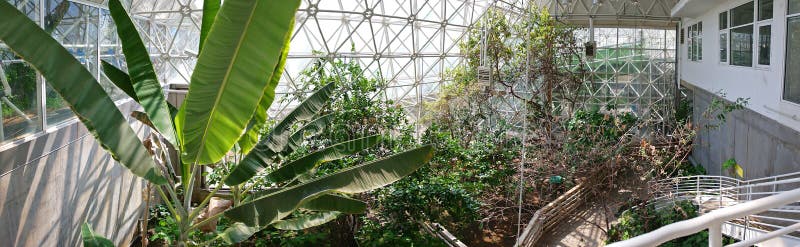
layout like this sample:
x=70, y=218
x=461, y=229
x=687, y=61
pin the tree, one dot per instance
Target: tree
x=241, y=58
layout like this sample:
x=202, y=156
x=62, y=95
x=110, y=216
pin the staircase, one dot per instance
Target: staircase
x=762, y=212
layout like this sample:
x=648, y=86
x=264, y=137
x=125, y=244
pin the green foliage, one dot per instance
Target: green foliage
x=588, y=128
x=291, y=238
x=687, y=169
x=719, y=108
x=733, y=168
x=450, y=191
x=399, y=232
x=165, y=227
x=638, y=221
x=22, y=80
x=90, y=239
x=226, y=90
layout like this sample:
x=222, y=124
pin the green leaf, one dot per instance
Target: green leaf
x=67, y=76
x=308, y=162
x=237, y=232
x=90, y=239
x=120, y=79
x=231, y=76
x=265, y=210
x=728, y=164
x=259, y=119
x=257, y=160
x=333, y=202
x=141, y=72
x=313, y=128
x=278, y=138
x=210, y=9
x=306, y=221
x=733, y=167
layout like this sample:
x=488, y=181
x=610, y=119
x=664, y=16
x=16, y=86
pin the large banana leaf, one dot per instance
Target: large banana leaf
x=306, y=221
x=231, y=75
x=302, y=165
x=141, y=72
x=210, y=9
x=259, y=119
x=313, y=128
x=262, y=156
x=333, y=202
x=275, y=142
x=307, y=110
x=238, y=232
x=270, y=208
x=120, y=79
x=90, y=239
x=79, y=89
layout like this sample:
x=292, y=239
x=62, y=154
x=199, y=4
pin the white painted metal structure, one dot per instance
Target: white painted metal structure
x=409, y=43
x=613, y=13
x=759, y=211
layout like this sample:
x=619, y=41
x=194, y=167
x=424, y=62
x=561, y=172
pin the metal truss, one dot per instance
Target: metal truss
x=634, y=70
x=613, y=13
x=407, y=43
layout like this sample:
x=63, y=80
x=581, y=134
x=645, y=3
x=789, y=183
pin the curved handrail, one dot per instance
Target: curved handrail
x=712, y=221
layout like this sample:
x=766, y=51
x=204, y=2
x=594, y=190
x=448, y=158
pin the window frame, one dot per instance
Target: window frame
x=43, y=126
x=694, y=49
x=755, y=42
x=757, y=45
x=757, y=36
x=785, y=42
x=724, y=31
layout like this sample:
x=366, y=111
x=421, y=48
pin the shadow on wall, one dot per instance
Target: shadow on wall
x=49, y=186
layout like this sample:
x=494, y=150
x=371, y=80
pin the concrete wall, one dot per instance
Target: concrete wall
x=50, y=185
x=761, y=145
x=762, y=85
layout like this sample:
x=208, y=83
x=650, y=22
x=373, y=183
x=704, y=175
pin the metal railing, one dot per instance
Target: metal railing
x=769, y=206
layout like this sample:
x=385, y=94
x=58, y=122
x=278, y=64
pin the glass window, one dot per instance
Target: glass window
x=690, y=46
x=74, y=25
x=18, y=87
x=111, y=52
x=19, y=84
x=764, y=37
x=723, y=47
x=794, y=6
x=699, y=41
x=742, y=15
x=764, y=10
x=791, y=88
x=695, y=47
x=723, y=20
x=741, y=46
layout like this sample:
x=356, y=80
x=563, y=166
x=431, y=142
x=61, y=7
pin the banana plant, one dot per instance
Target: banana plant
x=244, y=45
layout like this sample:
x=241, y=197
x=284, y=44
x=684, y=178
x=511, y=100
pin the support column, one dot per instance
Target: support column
x=715, y=235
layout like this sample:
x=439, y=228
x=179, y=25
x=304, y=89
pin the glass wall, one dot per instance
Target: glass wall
x=28, y=104
x=20, y=85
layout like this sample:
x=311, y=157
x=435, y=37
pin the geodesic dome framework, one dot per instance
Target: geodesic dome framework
x=408, y=43
x=411, y=43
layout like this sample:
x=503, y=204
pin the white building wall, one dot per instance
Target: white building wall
x=763, y=86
